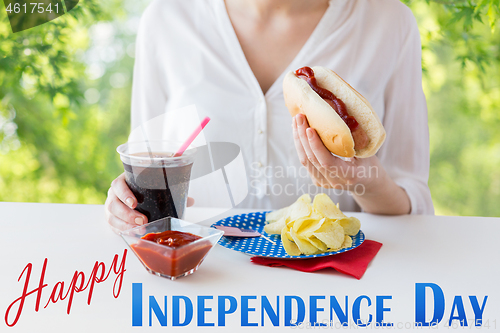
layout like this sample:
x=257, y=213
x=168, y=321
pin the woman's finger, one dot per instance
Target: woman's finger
x=328, y=171
x=125, y=213
x=318, y=149
x=298, y=144
x=316, y=176
x=118, y=225
x=123, y=192
x=117, y=208
x=302, y=125
x=190, y=202
x=333, y=168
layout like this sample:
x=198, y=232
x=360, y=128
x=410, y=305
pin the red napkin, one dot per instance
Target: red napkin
x=353, y=262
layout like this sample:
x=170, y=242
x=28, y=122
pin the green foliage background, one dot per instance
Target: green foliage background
x=65, y=102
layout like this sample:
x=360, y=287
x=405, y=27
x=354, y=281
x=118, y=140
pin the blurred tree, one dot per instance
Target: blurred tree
x=65, y=101
x=460, y=23
x=461, y=58
x=55, y=146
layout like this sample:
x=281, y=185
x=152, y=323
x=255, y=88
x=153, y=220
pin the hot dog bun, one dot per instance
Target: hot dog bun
x=333, y=131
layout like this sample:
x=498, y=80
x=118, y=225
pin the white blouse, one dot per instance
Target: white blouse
x=187, y=53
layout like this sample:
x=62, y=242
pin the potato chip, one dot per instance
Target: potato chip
x=315, y=215
x=304, y=245
x=331, y=233
x=287, y=234
x=275, y=228
x=324, y=206
x=347, y=242
x=351, y=225
x=308, y=229
x=276, y=215
x=300, y=208
x=311, y=228
x=317, y=243
x=305, y=197
x=290, y=247
x=302, y=223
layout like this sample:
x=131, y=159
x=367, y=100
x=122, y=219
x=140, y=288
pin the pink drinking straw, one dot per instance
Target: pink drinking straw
x=191, y=138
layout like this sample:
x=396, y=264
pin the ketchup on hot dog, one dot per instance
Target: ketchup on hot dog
x=307, y=74
x=359, y=136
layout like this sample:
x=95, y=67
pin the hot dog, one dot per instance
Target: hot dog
x=343, y=119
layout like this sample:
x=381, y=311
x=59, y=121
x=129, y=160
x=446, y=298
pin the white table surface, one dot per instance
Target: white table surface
x=459, y=254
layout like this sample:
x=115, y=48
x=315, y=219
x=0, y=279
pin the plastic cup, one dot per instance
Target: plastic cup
x=159, y=181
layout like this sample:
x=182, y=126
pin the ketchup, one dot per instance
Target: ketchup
x=175, y=260
x=307, y=74
x=171, y=238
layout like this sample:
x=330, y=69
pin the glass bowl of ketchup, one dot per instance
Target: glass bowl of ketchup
x=170, y=247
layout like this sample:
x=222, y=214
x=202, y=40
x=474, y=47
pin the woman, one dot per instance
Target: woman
x=229, y=59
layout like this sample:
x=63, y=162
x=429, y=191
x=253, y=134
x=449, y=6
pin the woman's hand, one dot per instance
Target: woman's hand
x=372, y=188
x=120, y=204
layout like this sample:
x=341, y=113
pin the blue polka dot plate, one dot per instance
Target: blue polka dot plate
x=262, y=247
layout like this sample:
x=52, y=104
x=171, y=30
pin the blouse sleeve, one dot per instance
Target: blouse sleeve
x=149, y=95
x=405, y=154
